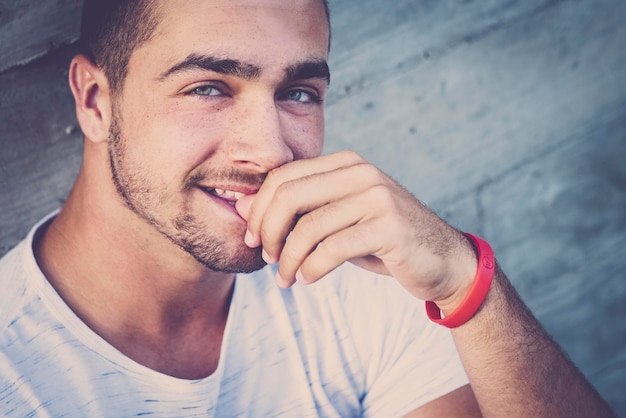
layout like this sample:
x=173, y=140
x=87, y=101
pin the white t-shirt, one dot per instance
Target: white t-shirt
x=353, y=344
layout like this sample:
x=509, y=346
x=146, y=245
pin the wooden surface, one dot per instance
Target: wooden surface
x=506, y=117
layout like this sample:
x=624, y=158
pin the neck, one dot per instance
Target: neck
x=132, y=286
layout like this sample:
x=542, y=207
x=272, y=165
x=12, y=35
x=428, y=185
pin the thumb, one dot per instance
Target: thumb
x=243, y=205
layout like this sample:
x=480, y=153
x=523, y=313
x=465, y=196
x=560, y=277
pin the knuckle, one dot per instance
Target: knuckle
x=351, y=156
x=368, y=173
x=272, y=177
x=331, y=248
x=267, y=237
x=291, y=256
x=283, y=194
x=380, y=194
x=309, y=225
x=254, y=218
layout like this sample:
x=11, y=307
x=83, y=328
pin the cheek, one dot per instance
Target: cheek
x=306, y=137
x=173, y=132
x=182, y=139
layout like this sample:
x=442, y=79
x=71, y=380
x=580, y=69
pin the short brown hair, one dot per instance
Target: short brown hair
x=112, y=29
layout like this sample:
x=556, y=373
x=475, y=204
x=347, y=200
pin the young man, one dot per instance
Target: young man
x=203, y=125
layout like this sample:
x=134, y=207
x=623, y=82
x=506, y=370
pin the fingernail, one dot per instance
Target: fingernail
x=266, y=257
x=249, y=239
x=299, y=276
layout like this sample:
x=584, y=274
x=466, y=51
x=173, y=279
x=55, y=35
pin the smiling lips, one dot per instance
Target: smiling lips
x=228, y=195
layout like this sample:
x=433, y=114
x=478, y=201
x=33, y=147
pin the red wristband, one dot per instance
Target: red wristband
x=477, y=293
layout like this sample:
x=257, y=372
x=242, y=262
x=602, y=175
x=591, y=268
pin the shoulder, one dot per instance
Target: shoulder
x=17, y=269
x=12, y=282
x=12, y=278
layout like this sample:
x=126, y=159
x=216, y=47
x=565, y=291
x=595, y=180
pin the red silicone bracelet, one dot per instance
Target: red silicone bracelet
x=477, y=293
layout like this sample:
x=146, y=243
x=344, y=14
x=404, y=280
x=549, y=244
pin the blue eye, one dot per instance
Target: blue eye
x=206, y=91
x=301, y=96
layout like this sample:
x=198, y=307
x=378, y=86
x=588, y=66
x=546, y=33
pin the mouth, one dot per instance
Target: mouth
x=229, y=196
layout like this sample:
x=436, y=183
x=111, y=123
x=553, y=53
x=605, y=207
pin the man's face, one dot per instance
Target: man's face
x=224, y=92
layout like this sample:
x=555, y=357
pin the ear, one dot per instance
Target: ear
x=92, y=96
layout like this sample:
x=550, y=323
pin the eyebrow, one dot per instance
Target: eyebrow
x=210, y=63
x=300, y=71
x=307, y=70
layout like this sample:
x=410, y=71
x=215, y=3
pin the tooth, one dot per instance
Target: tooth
x=228, y=194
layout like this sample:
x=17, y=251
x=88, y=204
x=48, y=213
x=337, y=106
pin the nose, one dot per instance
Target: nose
x=258, y=137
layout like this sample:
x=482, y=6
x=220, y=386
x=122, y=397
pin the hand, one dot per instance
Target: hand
x=312, y=215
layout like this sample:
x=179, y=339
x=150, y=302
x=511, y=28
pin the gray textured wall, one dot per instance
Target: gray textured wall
x=507, y=117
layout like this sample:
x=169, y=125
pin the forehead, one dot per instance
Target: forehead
x=263, y=32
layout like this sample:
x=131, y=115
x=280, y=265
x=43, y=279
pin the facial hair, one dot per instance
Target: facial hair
x=194, y=236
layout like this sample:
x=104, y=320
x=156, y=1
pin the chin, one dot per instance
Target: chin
x=242, y=260
x=218, y=250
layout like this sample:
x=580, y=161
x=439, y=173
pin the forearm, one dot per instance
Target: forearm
x=346, y=209
x=514, y=366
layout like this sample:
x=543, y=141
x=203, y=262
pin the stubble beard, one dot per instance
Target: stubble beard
x=185, y=229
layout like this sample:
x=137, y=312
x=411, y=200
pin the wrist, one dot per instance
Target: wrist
x=461, y=306
x=461, y=276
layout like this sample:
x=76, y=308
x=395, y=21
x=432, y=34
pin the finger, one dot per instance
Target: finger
x=243, y=205
x=355, y=242
x=316, y=226
x=289, y=172
x=307, y=194
x=313, y=228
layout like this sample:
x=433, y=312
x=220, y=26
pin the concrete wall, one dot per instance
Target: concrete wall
x=507, y=117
